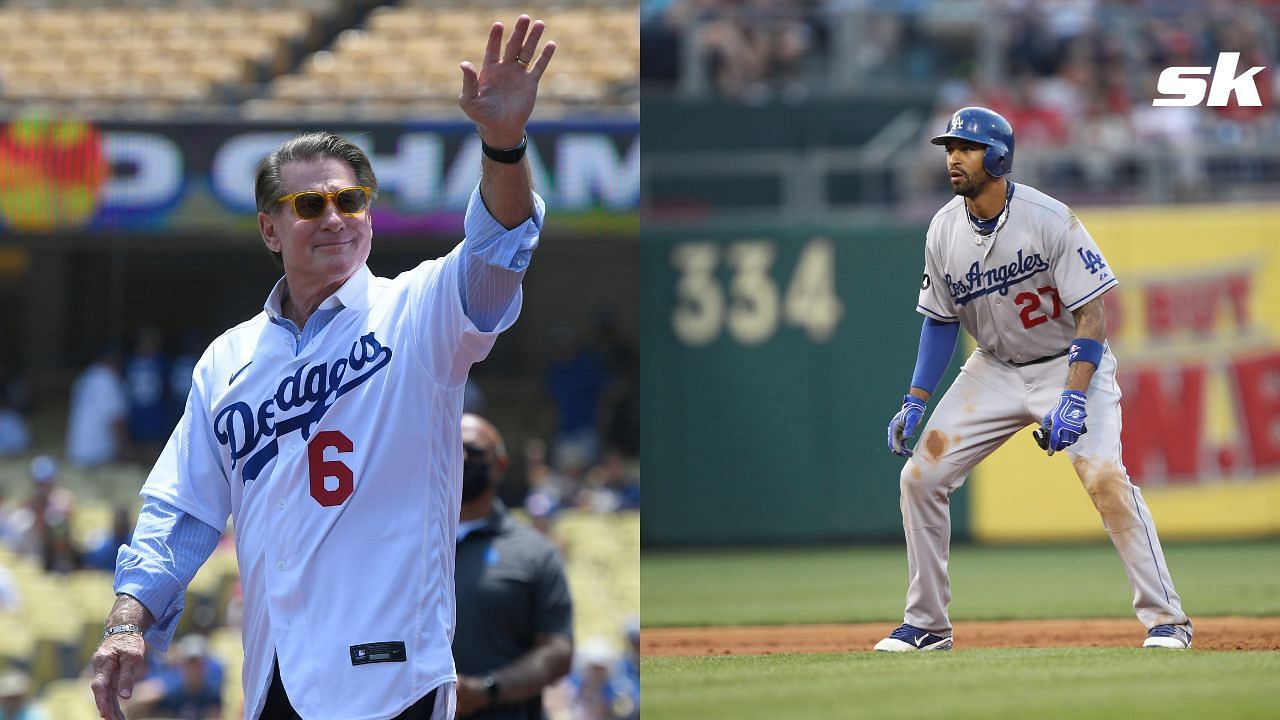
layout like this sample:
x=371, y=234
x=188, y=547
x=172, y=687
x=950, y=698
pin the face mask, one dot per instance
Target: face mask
x=475, y=478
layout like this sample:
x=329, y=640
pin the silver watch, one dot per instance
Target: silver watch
x=118, y=629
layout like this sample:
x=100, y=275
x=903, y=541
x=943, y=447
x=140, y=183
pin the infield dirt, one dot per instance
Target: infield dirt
x=1211, y=633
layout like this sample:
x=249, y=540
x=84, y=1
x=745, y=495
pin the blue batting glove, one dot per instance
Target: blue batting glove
x=904, y=424
x=1064, y=425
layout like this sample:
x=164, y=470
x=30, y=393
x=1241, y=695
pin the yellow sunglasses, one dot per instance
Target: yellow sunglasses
x=310, y=204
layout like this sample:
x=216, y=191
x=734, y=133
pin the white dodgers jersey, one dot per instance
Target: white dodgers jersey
x=341, y=466
x=1013, y=291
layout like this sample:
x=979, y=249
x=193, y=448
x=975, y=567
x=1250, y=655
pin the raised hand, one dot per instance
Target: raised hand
x=499, y=97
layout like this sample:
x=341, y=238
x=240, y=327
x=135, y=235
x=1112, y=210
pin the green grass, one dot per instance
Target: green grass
x=860, y=584
x=1080, y=684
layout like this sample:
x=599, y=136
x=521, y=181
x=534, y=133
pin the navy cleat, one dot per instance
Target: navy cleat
x=1174, y=637
x=909, y=638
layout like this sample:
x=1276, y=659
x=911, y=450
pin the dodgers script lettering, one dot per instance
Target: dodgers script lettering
x=978, y=282
x=314, y=387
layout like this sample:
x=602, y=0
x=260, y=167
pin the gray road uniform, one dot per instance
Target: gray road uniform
x=1013, y=291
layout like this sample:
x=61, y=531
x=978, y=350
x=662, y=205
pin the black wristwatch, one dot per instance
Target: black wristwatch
x=509, y=156
x=491, y=688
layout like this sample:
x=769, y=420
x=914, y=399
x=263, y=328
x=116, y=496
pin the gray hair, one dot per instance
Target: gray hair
x=269, y=187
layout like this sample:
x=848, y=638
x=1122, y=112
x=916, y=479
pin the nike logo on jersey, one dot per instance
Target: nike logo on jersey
x=313, y=387
x=978, y=282
x=236, y=374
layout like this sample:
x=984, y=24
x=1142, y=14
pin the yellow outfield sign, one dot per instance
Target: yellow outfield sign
x=1195, y=327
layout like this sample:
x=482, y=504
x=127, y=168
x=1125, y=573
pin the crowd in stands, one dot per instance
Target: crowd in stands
x=1080, y=74
x=1085, y=77
x=754, y=51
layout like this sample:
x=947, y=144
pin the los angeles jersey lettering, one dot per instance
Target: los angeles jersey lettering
x=1014, y=291
x=341, y=467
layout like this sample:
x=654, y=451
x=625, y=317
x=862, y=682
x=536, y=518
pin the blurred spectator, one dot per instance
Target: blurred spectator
x=600, y=689
x=62, y=555
x=33, y=524
x=514, y=633
x=235, y=606
x=15, y=687
x=622, y=364
x=146, y=387
x=755, y=50
x=630, y=666
x=548, y=490
x=14, y=437
x=576, y=380
x=100, y=552
x=180, y=371
x=95, y=428
x=611, y=486
x=188, y=688
x=10, y=594
x=660, y=27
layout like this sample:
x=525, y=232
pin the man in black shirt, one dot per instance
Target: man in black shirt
x=514, y=632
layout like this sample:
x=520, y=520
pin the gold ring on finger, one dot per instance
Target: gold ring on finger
x=522, y=61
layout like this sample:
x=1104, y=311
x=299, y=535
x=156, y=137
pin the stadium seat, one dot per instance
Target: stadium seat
x=405, y=55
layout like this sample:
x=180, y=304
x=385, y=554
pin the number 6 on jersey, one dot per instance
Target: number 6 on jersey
x=318, y=468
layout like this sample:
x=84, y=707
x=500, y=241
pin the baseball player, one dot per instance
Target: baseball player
x=328, y=427
x=1021, y=274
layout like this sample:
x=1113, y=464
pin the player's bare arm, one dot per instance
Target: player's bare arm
x=499, y=99
x=119, y=659
x=1091, y=322
x=525, y=678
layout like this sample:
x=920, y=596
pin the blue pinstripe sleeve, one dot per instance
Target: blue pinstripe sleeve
x=495, y=261
x=168, y=547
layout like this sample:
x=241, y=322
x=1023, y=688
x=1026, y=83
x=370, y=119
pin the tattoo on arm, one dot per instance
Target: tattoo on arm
x=1091, y=322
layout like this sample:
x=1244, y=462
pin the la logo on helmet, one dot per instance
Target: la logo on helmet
x=1225, y=83
x=956, y=121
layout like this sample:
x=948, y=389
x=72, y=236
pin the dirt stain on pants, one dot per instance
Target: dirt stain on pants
x=1112, y=494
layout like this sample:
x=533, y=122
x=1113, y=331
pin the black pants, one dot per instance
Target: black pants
x=279, y=708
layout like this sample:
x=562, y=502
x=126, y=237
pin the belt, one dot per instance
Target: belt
x=1037, y=361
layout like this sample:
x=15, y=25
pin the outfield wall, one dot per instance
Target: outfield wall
x=773, y=359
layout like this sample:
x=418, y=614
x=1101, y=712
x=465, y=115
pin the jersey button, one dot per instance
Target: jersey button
x=280, y=504
x=280, y=565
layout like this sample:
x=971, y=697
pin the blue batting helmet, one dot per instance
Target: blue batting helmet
x=985, y=127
